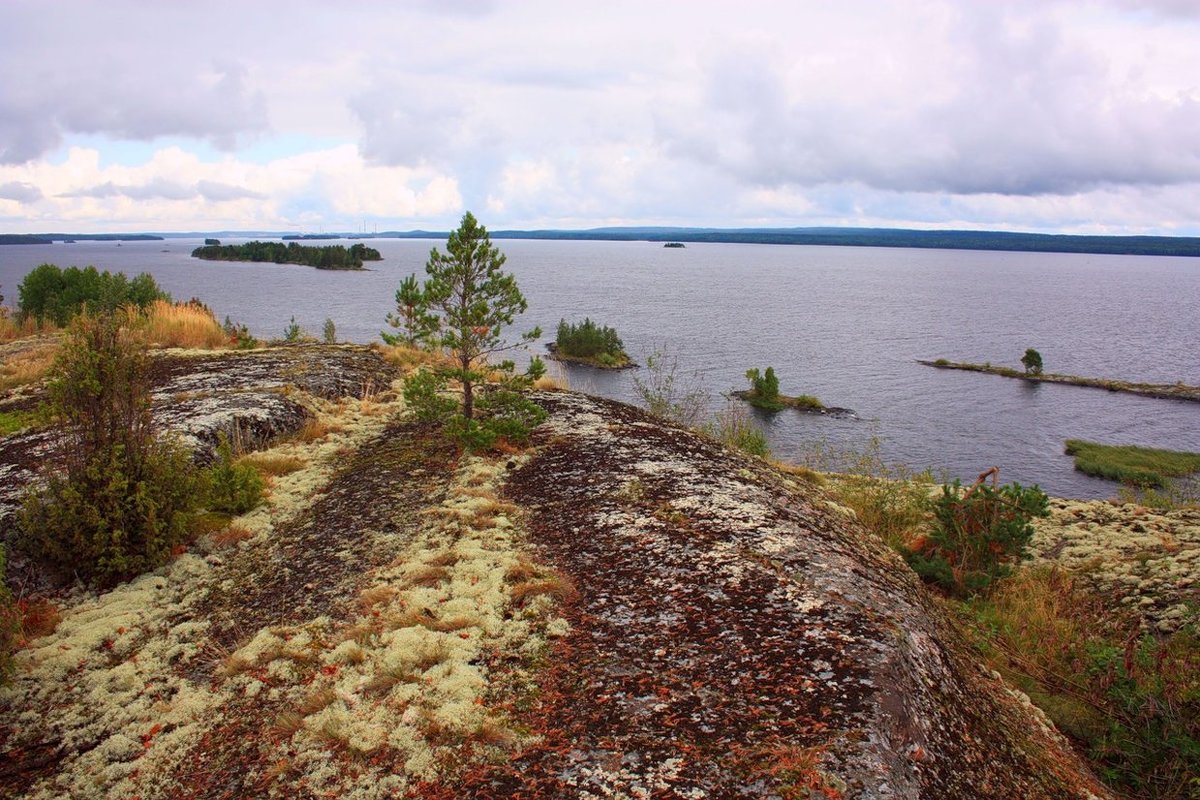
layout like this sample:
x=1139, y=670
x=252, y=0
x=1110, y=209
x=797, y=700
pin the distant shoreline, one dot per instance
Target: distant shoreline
x=999, y=241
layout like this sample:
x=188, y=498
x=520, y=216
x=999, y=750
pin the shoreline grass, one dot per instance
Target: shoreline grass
x=1130, y=464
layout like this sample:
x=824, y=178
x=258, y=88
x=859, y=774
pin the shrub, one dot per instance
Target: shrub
x=233, y=488
x=239, y=335
x=976, y=534
x=57, y=295
x=735, y=428
x=424, y=394
x=10, y=624
x=122, y=498
x=293, y=332
x=1032, y=361
x=591, y=341
x=664, y=394
x=329, y=332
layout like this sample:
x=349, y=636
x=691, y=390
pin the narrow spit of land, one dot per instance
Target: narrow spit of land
x=1169, y=391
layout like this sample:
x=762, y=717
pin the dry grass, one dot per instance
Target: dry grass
x=28, y=365
x=558, y=587
x=287, y=723
x=316, y=700
x=316, y=429
x=39, y=617
x=375, y=596
x=183, y=325
x=232, y=535
x=383, y=682
x=805, y=474
x=408, y=358
x=269, y=465
x=11, y=329
x=427, y=576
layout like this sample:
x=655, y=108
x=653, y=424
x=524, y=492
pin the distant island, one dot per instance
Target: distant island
x=337, y=257
x=1006, y=241
x=23, y=238
x=674, y=244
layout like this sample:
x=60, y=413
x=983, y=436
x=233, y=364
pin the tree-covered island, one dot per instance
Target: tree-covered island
x=335, y=256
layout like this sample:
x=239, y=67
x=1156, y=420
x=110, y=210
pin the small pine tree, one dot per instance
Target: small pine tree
x=330, y=331
x=412, y=317
x=293, y=332
x=233, y=488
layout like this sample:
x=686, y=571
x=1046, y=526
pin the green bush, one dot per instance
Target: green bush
x=239, y=334
x=10, y=624
x=1032, y=361
x=977, y=533
x=764, y=390
x=424, y=394
x=329, y=332
x=735, y=428
x=589, y=340
x=293, y=332
x=57, y=295
x=121, y=498
x=503, y=411
x=233, y=488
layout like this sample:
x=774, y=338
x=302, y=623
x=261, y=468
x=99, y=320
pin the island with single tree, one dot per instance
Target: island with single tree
x=1168, y=391
x=338, y=257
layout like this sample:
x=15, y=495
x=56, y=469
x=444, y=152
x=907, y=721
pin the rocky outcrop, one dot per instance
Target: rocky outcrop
x=627, y=610
x=255, y=397
x=736, y=633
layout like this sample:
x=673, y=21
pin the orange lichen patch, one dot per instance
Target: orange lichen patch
x=37, y=617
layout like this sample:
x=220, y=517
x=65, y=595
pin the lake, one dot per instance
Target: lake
x=846, y=324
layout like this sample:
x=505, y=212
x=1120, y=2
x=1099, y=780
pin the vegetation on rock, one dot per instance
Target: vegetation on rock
x=764, y=393
x=336, y=257
x=589, y=343
x=978, y=533
x=233, y=488
x=1137, y=466
x=123, y=497
x=463, y=307
x=1169, y=391
x=50, y=294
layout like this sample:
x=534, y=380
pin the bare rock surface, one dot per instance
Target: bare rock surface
x=734, y=636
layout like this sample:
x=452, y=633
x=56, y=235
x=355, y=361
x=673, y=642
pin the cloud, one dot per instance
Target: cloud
x=176, y=190
x=20, y=191
x=1004, y=104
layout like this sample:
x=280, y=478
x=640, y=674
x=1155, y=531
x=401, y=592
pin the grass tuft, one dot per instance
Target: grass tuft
x=183, y=325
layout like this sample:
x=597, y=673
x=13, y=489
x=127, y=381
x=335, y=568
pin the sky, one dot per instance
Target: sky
x=1077, y=116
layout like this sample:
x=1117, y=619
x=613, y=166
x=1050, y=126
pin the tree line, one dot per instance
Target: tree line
x=334, y=256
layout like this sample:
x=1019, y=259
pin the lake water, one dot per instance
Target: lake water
x=845, y=324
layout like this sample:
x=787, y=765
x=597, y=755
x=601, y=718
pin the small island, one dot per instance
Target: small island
x=336, y=257
x=674, y=244
x=1168, y=391
x=764, y=394
x=589, y=344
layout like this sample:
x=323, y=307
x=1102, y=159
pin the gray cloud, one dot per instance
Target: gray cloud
x=162, y=189
x=1026, y=114
x=20, y=191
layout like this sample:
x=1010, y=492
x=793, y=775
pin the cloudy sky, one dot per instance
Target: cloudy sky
x=1040, y=115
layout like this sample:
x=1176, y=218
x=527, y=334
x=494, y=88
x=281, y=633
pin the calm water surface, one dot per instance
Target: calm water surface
x=845, y=324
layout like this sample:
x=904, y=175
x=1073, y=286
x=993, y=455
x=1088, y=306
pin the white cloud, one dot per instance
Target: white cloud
x=1027, y=113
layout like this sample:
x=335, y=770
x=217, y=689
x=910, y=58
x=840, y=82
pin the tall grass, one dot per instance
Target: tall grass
x=183, y=325
x=1131, y=699
x=14, y=326
x=1139, y=466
